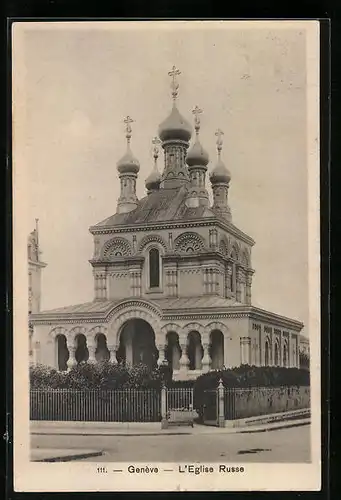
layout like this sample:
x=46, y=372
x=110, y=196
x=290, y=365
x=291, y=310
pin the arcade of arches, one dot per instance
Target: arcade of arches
x=137, y=344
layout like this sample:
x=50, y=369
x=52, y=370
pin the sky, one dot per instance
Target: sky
x=81, y=81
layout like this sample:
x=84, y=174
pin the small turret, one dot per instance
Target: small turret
x=220, y=179
x=128, y=167
x=197, y=160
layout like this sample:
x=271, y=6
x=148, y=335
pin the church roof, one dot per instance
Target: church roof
x=159, y=206
x=210, y=305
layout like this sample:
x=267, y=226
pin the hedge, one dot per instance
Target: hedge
x=108, y=376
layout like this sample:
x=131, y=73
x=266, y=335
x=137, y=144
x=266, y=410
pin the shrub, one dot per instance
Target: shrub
x=103, y=375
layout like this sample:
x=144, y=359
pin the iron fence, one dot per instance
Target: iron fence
x=256, y=401
x=179, y=398
x=128, y=405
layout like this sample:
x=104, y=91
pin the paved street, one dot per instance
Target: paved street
x=284, y=445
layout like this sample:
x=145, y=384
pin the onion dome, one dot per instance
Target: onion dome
x=175, y=126
x=153, y=180
x=197, y=155
x=220, y=173
x=128, y=163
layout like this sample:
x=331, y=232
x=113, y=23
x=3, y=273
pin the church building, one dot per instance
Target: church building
x=172, y=274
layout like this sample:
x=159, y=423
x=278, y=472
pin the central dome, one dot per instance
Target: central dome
x=175, y=127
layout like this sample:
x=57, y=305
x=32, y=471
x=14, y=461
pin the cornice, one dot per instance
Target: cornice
x=36, y=263
x=159, y=226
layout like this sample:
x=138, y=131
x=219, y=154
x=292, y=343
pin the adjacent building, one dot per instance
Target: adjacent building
x=35, y=266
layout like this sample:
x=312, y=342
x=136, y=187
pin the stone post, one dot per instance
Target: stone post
x=72, y=359
x=206, y=360
x=164, y=420
x=220, y=403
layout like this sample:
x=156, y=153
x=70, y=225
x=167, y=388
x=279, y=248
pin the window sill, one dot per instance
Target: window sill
x=154, y=290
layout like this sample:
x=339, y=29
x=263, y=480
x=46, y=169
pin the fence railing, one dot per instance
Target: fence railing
x=257, y=401
x=128, y=405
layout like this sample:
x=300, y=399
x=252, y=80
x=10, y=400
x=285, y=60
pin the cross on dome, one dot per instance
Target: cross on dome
x=156, y=143
x=196, y=112
x=219, y=133
x=129, y=130
x=174, y=83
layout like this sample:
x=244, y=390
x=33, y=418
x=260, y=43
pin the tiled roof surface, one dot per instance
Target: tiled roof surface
x=164, y=304
x=162, y=205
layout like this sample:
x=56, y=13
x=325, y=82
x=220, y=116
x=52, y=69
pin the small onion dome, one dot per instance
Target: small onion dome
x=153, y=180
x=197, y=155
x=128, y=164
x=175, y=126
x=220, y=173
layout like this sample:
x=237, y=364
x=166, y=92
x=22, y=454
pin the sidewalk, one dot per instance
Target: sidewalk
x=55, y=455
x=150, y=429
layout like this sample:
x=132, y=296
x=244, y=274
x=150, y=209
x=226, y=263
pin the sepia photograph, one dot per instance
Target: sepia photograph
x=166, y=255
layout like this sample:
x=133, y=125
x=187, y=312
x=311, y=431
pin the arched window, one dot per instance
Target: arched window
x=154, y=268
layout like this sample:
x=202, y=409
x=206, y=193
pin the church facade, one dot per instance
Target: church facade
x=172, y=273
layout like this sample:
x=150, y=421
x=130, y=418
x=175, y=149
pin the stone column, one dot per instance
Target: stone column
x=71, y=362
x=91, y=345
x=206, y=360
x=238, y=285
x=162, y=354
x=113, y=348
x=134, y=243
x=248, y=284
x=228, y=275
x=281, y=349
x=170, y=241
x=184, y=361
x=290, y=360
x=245, y=348
x=129, y=348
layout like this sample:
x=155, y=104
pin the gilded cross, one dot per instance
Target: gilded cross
x=128, y=121
x=196, y=112
x=174, y=85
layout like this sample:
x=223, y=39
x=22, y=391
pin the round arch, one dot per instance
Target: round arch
x=150, y=239
x=118, y=245
x=95, y=331
x=132, y=310
x=193, y=327
x=217, y=325
x=171, y=327
x=76, y=330
x=58, y=330
x=194, y=240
